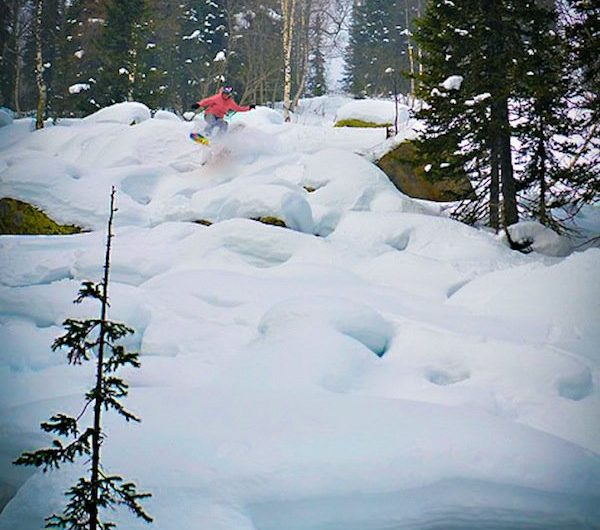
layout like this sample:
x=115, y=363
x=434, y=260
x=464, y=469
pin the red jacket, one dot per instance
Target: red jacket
x=218, y=105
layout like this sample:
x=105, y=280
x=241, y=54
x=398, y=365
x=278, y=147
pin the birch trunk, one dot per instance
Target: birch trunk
x=18, y=53
x=39, y=66
x=287, y=11
x=411, y=57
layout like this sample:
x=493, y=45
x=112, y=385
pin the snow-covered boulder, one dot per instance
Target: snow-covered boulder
x=372, y=111
x=127, y=113
x=6, y=117
x=166, y=115
x=403, y=169
x=255, y=201
x=259, y=116
x=541, y=239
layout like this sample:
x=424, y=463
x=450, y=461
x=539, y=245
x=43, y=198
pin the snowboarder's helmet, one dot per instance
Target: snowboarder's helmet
x=228, y=90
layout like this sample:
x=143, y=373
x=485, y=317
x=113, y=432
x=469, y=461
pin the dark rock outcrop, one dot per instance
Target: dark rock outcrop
x=411, y=179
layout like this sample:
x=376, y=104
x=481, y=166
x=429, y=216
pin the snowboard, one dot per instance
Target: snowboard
x=199, y=138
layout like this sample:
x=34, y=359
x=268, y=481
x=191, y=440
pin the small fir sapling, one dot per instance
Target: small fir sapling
x=87, y=340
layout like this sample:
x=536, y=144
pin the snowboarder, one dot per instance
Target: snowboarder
x=216, y=107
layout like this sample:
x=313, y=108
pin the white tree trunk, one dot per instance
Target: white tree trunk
x=39, y=66
x=287, y=11
x=411, y=57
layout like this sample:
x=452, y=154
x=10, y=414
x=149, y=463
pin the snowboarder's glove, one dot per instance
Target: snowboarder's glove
x=195, y=106
x=252, y=106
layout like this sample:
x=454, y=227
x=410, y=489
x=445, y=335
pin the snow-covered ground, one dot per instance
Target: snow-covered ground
x=375, y=367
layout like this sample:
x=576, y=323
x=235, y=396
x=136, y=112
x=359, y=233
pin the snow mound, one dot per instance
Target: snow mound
x=166, y=115
x=373, y=111
x=346, y=181
x=543, y=239
x=359, y=322
x=6, y=117
x=260, y=116
x=571, y=292
x=407, y=131
x=127, y=113
x=255, y=200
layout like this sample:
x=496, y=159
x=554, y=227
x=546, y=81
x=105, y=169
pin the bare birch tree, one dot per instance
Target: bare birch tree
x=288, y=9
x=42, y=91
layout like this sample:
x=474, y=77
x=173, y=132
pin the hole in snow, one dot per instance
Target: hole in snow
x=453, y=289
x=140, y=187
x=399, y=242
x=311, y=188
x=445, y=376
x=377, y=342
x=577, y=386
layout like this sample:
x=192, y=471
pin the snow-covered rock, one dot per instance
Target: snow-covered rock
x=373, y=111
x=166, y=115
x=541, y=238
x=127, y=113
x=258, y=117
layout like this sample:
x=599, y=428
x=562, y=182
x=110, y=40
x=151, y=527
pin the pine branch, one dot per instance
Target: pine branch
x=76, y=339
x=53, y=457
x=119, y=358
x=89, y=290
x=116, y=330
x=115, y=491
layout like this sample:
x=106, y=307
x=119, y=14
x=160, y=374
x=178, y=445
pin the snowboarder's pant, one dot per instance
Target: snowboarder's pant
x=212, y=123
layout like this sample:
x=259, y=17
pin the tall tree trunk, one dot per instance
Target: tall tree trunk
x=500, y=124
x=288, y=8
x=42, y=92
x=411, y=58
x=542, y=156
x=17, y=87
x=18, y=64
x=419, y=49
x=509, y=188
x=494, y=187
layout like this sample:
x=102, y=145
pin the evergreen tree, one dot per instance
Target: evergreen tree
x=545, y=127
x=377, y=43
x=488, y=44
x=204, y=35
x=5, y=63
x=84, y=340
x=79, y=58
x=52, y=23
x=581, y=19
x=511, y=60
x=126, y=72
x=317, y=82
x=17, y=78
x=166, y=23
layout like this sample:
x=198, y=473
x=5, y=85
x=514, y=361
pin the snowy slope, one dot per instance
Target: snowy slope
x=374, y=367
